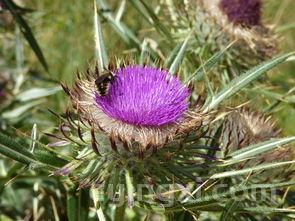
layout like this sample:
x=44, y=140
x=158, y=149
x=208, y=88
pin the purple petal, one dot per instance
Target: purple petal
x=242, y=12
x=144, y=96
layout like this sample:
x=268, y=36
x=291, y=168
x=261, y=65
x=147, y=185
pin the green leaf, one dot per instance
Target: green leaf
x=34, y=137
x=144, y=52
x=122, y=30
x=120, y=10
x=35, y=93
x=209, y=64
x=149, y=15
x=12, y=149
x=120, y=213
x=256, y=149
x=231, y=206
x=26, y=30
x=18, y=111
x=100, y=51
x=49, y=158
x=243, y=80
x=78, y=202
x=98, y=209
x=130, y=189
x=251, y=169
x=286, y=27
x=223, y=196
x=263, y=210
x=177, y=55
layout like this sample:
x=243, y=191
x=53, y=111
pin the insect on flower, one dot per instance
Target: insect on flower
x=103, y=82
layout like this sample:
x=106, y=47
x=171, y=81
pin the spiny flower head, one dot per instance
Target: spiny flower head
x=143, y=107
x=243, y=127
x=242, y=12
x=139, y=124
x=144, y=96
x=241, y=20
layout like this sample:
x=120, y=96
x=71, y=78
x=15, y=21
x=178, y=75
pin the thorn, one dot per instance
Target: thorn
x=166, y=140
x=176, y=131
x=148, y=146
x=64, y=171
x=55, y=114
x=63, y=132
x=80, y=133
x=54, y=136
x=111, y=66
x=94, y=143
x=191, y=87
x=78, y=74
x=84, y=184
x=77, y=84
x=155, y=149
x=197, y=103
x=96, y=70
x=88, y=72
x=125, y=145
x=67, y=116
x=81, y=120
x=113, y=143
x=122, y=64
x=98, y=182
x=66, y=89
x=178, y=74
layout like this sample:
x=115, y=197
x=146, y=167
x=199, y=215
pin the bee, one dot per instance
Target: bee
x=103, y=82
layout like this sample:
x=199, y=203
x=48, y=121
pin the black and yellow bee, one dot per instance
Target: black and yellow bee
x=103, y=82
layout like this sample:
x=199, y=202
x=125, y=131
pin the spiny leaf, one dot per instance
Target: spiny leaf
x=256, y=149
x=98, y=209
x=243, y=80
x=12, y=149
x=34, y=137
x=144, y=52
x=177, y=55
x=263, y=209
x=220, y=197
x=231, y=206
x=251, y=169
x=149, y=15
x=100, y=51
x=26, y=30
x=125, y=33
x=130, y=189
x=35, y=93
x=49, y=158
x=18, y=111
x=208, y=65
x=78, y=204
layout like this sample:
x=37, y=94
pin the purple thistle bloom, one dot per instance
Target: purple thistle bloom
x=144, y=107
x=242, y=12
x=144, y=96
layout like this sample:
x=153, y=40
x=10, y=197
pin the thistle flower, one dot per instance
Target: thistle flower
x=139, y=125
x=241, y=20
x=243, y=127
x=242, y=12
x=144, y=107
